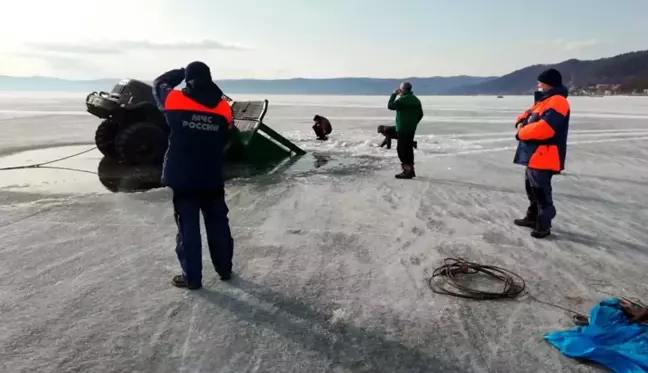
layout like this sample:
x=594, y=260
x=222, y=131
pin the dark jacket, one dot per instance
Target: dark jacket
x=390, y=134
x=543, y=132
x=198, y=118
x=324, y=124
x=409, y=111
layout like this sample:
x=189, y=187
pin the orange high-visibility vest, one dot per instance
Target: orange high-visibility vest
x=176, y=100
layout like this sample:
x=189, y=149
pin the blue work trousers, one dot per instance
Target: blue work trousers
x=187, y=207
x=538, y=188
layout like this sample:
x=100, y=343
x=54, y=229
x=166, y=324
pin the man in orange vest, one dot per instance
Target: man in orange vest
x=198, y=118
x=542, y=148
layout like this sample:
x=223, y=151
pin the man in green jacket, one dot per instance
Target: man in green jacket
x=409, y=113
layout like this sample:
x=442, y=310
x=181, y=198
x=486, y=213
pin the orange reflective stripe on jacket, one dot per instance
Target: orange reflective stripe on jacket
x=176, y=100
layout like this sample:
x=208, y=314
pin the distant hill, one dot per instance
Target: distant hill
x=629, y=70
x=341, y=86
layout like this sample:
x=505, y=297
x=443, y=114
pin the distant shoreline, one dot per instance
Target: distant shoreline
x=82, y=94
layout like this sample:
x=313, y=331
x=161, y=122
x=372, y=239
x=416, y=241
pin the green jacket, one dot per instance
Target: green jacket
x=409, y=111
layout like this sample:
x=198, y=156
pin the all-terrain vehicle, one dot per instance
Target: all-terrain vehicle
x=134, y=130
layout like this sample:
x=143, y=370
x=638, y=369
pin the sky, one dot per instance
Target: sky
x=274, y=39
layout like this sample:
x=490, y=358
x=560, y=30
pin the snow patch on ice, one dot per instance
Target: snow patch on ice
x=339, y=315
x=363, y=143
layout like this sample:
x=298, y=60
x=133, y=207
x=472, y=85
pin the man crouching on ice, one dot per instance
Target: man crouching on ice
x=389, y=132
x=542, y=135
x=198, y=118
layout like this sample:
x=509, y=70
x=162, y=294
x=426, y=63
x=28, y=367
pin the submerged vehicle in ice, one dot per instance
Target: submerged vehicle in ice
x=134, y=131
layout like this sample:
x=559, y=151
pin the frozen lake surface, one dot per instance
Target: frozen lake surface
x=332, y=254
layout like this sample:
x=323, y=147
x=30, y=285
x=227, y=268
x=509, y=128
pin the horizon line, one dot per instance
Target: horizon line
x=264, y=79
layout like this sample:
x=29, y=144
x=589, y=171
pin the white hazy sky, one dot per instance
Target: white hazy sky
x=310, y=38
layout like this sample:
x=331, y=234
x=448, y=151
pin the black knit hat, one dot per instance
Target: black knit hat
x=551, y=77
x=198, y=71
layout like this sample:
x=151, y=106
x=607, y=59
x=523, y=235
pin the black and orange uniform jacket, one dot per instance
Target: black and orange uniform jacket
x=543, y=134
x=198, y=120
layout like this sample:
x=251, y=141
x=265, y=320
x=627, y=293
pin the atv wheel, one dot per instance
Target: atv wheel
x=105, y=138
x=141, y=143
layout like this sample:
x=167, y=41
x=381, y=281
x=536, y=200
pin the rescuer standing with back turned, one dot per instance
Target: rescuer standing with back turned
x=199, y=118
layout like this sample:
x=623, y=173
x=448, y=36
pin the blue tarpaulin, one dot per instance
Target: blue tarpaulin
x=610, y=340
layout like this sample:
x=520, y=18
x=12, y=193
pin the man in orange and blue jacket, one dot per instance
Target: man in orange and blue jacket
x=198, y=117
x=542, y=135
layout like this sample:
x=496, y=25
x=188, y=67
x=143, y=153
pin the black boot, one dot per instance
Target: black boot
x=546, y=212
x=525, y=222
x=540, y=232
x=402, y=171
x=408, y=172
x=531, y=218
x=181, y=282
x=225, y=276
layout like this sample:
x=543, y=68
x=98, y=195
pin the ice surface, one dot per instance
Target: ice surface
x=332, y=253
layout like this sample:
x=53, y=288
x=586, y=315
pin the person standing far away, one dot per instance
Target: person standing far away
x=322, y=127
x=409, y=113
x=542, y=148
x=198, y=118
